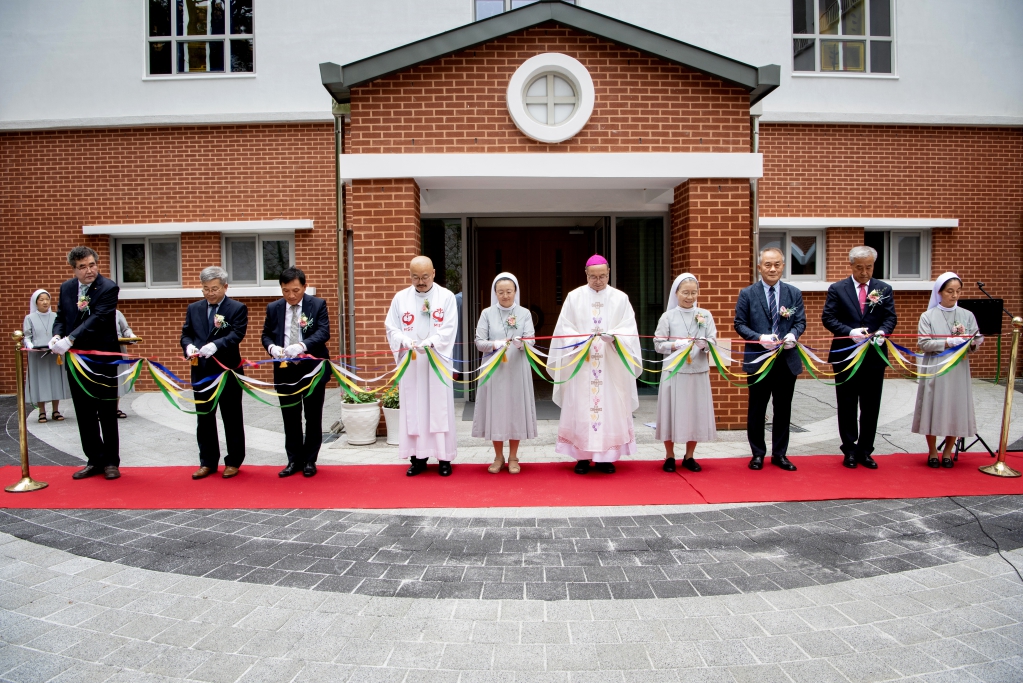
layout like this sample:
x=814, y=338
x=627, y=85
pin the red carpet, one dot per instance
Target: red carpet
x=820, y=477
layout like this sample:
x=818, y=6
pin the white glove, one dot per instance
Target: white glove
x=790, y=341
x=208, y=350
x=61, y=346
x=294, y=351
x=53, y=341
x=407, y=343
x=701, y=344
x=607, y=338
x=953, y=342
x=859, y=334
x=879, y=338
x=27, y=343
x=679, y=344
x=769, y=341
x=191, y=350
x=517, y=342
x=978, y=341
x=426, y=344
x=275, y=351
x=499, y=344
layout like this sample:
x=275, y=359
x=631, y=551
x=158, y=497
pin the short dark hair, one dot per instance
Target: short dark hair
x=290, y=274
x=80, y=254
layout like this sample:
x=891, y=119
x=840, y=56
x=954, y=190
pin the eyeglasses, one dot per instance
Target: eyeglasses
x=422, y=278
x=87, y=266
x=597, y=278
x=212, y=290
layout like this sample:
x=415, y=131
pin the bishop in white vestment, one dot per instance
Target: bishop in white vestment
x=424, y=315
x=597, y=403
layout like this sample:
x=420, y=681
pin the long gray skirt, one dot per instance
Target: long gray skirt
x=46, y=380
x=685, y=409
x=944, y=405
x=505, y=408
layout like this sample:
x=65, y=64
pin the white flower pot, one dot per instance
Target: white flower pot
x=361, y=420
x=391, y=418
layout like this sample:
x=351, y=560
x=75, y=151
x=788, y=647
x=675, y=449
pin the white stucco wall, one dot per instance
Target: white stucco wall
x=73, y=63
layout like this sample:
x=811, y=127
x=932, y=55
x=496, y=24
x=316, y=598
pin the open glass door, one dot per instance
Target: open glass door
x=471, y=301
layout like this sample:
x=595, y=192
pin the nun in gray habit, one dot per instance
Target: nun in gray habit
x=46, y=381
x=505, y=409
x=685, y=407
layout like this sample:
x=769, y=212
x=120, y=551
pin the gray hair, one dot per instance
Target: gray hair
x=862, y=251
x=760, y=258
x=213, y=273
x=80, y=254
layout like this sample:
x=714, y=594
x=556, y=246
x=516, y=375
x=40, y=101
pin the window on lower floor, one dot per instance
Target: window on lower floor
x=803, y=250
x=847, y=36
x=901, y=254
x=148, y=261
x=258, y=259
x=442, y=242
x=199, y=37
x=484, y=9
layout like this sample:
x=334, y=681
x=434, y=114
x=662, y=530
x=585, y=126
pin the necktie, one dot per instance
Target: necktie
x=212, y=315
x=772, y=304
x=293, y=332
x=863, y=298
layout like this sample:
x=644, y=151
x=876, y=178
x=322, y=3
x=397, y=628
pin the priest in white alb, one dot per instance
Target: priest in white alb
x=422, y=316
x=597, y=402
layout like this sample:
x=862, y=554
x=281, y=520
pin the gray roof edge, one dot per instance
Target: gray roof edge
x=768, y=79
x=463, y=37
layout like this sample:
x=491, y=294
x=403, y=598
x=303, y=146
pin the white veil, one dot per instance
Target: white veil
x=493, y=286
x=672, y=299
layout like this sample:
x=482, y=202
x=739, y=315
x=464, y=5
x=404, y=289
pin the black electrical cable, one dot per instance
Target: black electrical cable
x=998, y=548
x=885, y=437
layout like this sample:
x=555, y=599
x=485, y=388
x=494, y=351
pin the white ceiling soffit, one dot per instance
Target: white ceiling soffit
x=134, y=229
x=638, y=171
x=802, y=222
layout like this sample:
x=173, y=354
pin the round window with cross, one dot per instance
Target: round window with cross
x=551, y=99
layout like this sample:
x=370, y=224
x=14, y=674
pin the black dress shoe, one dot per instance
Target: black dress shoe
x=582, y=467
x=87, y=471
x=691, y=464
x=111, y=472
x=445, y=468
x=605, y=467
x=291, y=469
x=867, y=462
x=849, y=461
x=309, y=470
x=669, y=465
x=756, y=462
x=418, y=466
x=782, y=462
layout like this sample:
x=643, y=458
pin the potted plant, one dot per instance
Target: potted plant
x=391, y=405
x=360, y=415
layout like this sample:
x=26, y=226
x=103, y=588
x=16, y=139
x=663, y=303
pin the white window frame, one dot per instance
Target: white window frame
x=118, y=261
x=507, y=7
x=891, y=254
x=260, y=280
x=817, y=36
x=173, y=40
x=819, y=259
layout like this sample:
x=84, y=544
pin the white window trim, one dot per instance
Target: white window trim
x=115, y=266
x=817, y=35
x=507, y=8
x=173, y=39
x=821, y=260
x=261, y=281
x=853, y=222
x=925, y=253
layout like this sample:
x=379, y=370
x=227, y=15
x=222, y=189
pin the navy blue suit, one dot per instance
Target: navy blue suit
x=841, y=316
x=300, y=450
x=752, y=319
x=198, y=332
x=93, y=329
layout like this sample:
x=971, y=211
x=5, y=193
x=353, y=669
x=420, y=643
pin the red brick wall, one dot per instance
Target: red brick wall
x=838, y=242
x=54, y=182
x=458, y=103
x=384, y=218
x=712, y=217
x=973, y=174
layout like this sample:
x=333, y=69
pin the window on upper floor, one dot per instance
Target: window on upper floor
x=488, y=8
x=843, y=36
x=803, y=249
x=191, y=37
x=901, y=254
x=258, y=259
x=148, y=261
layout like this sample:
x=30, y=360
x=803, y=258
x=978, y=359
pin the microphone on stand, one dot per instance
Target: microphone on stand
x=980, y=285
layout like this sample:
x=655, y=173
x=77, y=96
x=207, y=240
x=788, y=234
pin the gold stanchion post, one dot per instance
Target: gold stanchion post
x=27, y=483
x=999, y=468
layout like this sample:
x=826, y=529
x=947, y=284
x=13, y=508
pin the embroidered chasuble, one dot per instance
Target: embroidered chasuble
x=427, y=408
x=596, y=404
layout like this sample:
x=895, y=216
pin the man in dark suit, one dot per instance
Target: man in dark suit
x=85, y=322
x=770, y=314
x=859, y=307
x=297, y=325
x=213, y=330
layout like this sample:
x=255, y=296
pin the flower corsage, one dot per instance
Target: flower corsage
x=786, y=312
x=875, y=297
x=958, y=330
x=220, y=323
x=426, y=306
x=511, y=322
x=305, y=323
x=83, y=303
x=701, y=319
